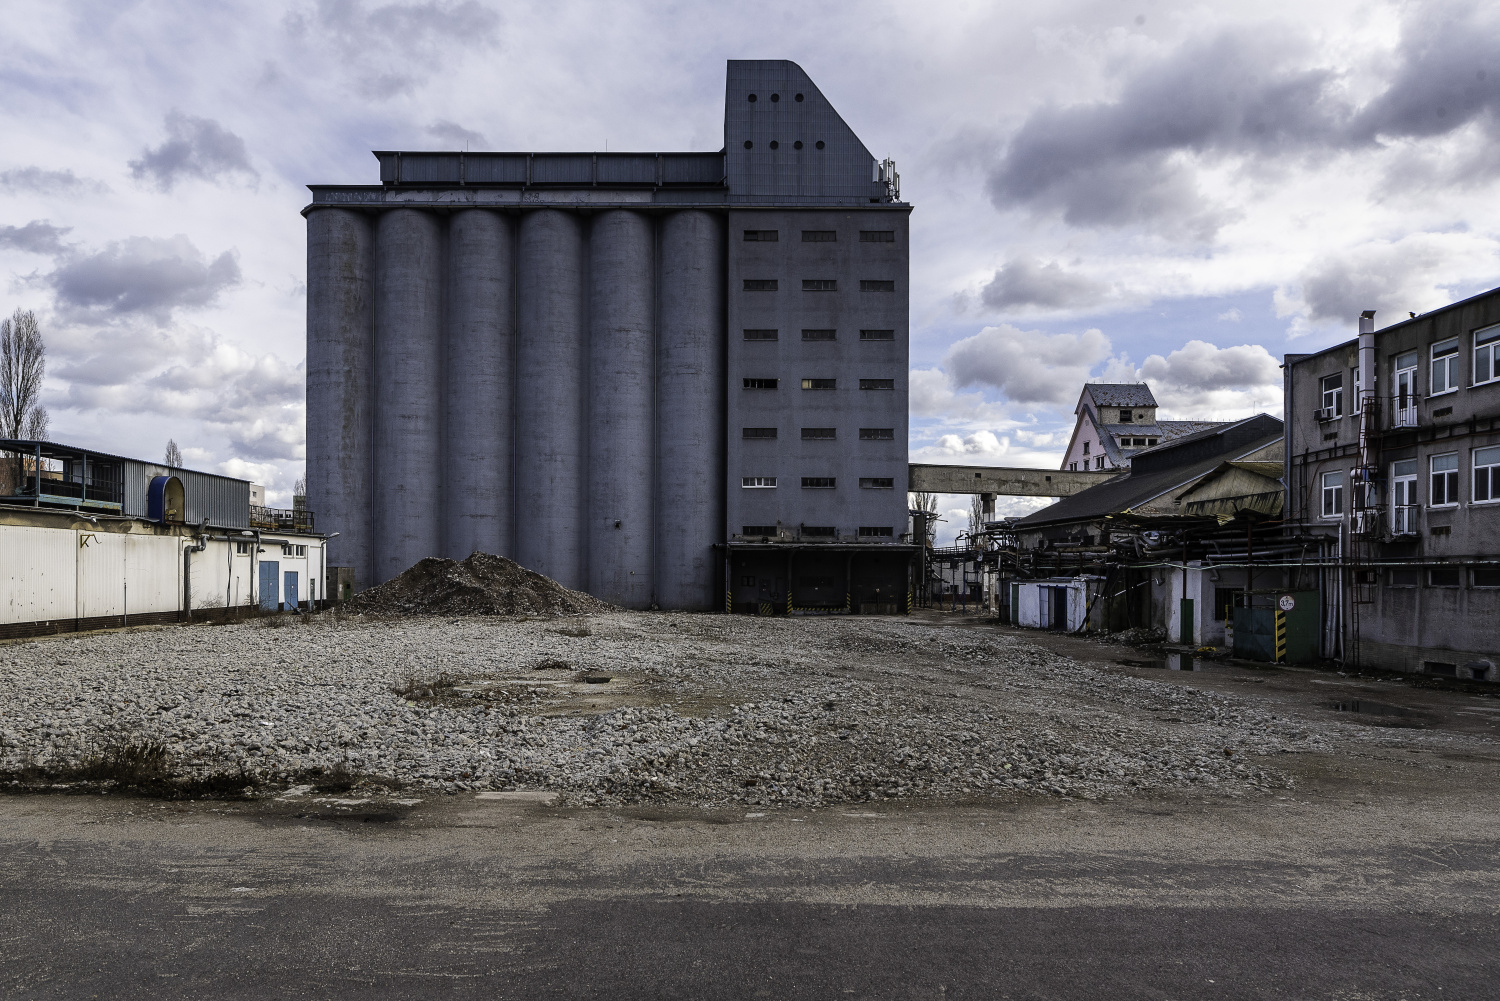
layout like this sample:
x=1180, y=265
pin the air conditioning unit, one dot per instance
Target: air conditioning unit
x=1326, y=414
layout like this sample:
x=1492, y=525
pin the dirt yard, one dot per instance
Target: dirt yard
x=698, y=711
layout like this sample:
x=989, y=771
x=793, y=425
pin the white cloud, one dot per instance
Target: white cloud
x=1024, y=282
x=142, y=274
x=1413, y=274
x=1200, y=381
x=1371, y=186
x=1028, y=366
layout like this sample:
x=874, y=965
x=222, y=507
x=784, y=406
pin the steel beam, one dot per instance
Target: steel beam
x=1007, y=480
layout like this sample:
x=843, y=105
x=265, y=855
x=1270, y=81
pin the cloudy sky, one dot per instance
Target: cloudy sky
x=1121, y=189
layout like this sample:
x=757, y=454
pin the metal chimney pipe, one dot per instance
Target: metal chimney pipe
x=1367, y=416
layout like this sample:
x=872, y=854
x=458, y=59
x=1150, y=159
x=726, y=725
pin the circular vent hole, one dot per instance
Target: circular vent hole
x=752, y=98
x=775, y=144
x=775, y=98
x=749, y=144
x=820, y=144
x=797, y=144
x=798, y=98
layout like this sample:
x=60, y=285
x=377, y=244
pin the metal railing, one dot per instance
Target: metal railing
x=1405, y=519
x=281, y=518
x=1394, y=412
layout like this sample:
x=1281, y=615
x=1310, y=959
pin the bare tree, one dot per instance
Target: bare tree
x=299, y=494
x=23, y=364
x=976, y=515
x=174, y=454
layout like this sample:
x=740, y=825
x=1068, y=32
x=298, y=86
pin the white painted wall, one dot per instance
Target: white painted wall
x=1030, y=605
x=47, y=574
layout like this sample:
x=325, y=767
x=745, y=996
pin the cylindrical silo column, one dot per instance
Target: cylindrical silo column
x=621, y=431
x=691, y=353
x=551, y=356
x=340, y=383
x=409, y=377
x=477, y=455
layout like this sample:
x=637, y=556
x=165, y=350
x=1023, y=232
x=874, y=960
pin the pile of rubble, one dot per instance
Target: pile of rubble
x=480, y=585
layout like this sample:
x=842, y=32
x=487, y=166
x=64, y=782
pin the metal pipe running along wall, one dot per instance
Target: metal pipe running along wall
x=547, y=386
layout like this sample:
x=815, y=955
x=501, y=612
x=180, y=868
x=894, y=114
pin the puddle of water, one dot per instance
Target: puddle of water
x=1182, y=662
x=1368, y=708
x=541, y=796
x=1154, y=664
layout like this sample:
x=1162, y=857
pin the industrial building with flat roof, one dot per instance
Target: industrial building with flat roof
x=672, y=380
x=90, y=540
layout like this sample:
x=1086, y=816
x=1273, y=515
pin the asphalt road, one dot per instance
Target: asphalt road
x=1378, y=878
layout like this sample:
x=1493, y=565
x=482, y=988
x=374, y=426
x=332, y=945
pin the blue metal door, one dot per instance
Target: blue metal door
x=270, y=576
x=290, y=589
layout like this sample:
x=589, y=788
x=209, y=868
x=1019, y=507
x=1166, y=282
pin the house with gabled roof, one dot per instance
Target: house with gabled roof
x=1116, y=421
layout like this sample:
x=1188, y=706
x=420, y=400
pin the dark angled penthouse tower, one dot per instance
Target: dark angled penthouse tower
x=672, y=379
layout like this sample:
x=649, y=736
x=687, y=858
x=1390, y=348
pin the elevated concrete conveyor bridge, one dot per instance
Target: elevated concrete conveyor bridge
x=1003, y=481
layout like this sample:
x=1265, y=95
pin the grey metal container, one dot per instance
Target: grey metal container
x=476, y=490
x=340, y=376
x=621, y=431
x=409, y=374
x=690, y=409
x=551, y=342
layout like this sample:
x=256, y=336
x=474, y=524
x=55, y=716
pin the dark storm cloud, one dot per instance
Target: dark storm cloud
x=1386, y=277
x=1446, y=80
x=453, y=134
x=1251, y=95
x=144, y=275
x=1110, y=163
x=195, y=147
x=1023, y=282
x=47, y=182
x=1446, y=76
x=36, y=237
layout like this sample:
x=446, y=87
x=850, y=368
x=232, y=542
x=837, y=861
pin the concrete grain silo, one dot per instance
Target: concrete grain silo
x=549, y=356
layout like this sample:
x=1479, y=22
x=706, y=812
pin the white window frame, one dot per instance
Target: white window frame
x=1485, y=476
x=1448, y=360
x=757, y=483
x=1335, y=491
x=1099, y=462
x=1332, y=399
x=1487, y=348
x=1405, y=416
x=1433, y=472
x=1404, y=503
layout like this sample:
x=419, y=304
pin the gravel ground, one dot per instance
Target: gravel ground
x=699, y=709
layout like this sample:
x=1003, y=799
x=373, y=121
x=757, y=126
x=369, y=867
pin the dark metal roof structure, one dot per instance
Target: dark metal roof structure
x=1160, y=469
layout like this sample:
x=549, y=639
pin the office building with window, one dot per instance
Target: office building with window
x=1393, y=457
x=668, y=379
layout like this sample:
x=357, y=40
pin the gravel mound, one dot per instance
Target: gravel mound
x=480, y=585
